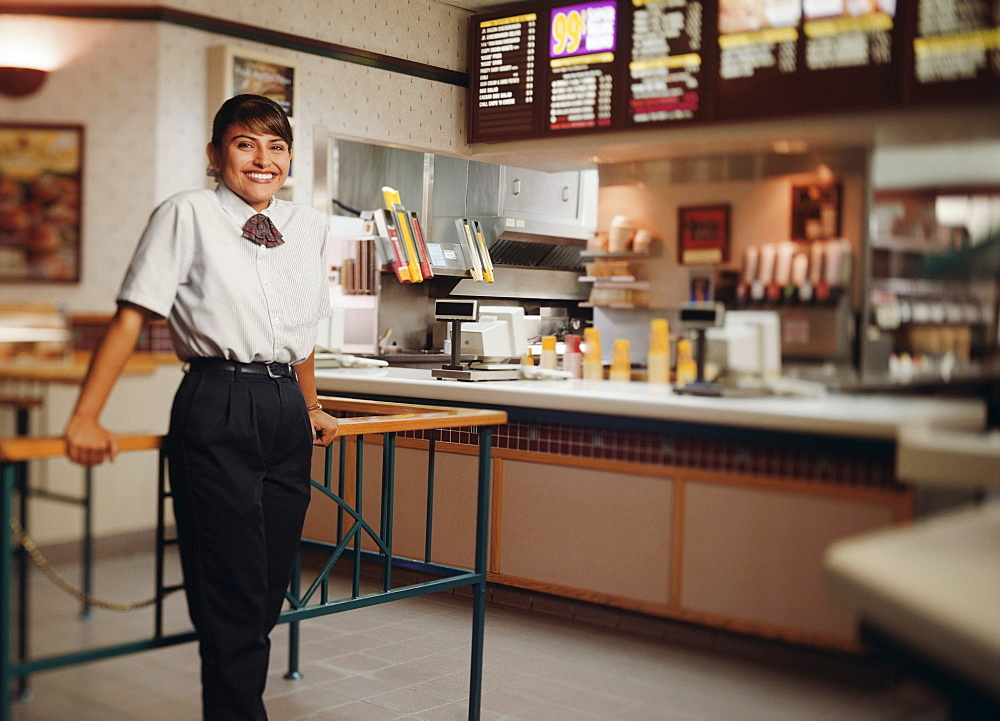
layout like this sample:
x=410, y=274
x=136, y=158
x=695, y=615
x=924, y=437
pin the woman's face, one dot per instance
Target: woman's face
x=252, y=166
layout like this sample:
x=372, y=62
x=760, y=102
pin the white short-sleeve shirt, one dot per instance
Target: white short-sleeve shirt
x=222, y=295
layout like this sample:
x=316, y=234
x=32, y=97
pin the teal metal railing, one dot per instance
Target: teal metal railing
x=362, y=418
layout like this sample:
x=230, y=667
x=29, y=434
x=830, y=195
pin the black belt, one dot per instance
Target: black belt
x=271, y=370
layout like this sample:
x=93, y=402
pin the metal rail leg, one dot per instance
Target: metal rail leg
x=479, y=587
x=6, y=499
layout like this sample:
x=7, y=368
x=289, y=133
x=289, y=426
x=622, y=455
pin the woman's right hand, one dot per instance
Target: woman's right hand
x=88, y=443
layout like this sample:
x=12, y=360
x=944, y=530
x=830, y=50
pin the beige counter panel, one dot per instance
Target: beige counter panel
x=741, y=542
x=607, y=533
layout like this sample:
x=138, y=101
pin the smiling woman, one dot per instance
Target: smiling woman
x=251, y=149
x=243, y=307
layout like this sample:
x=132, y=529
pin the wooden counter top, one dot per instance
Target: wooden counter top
x=72, y=372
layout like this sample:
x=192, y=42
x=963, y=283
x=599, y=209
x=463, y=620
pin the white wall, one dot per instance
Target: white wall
x=938, y=166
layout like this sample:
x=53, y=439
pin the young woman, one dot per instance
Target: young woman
x=241, y=278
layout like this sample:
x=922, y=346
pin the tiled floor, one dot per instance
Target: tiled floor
x=409, y=660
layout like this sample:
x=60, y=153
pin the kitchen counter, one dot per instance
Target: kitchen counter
x=864, y=416
x=733, y=500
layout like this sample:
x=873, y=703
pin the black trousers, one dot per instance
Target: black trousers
x=239, y=449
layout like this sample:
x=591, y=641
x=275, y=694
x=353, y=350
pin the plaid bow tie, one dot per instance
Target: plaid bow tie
x=260, y=230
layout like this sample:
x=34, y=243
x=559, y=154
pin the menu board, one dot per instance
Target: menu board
x=582, y=43
x=503, y=97
x=956, y=50
x=564, y=67
x=665, y=67
x=798, y=56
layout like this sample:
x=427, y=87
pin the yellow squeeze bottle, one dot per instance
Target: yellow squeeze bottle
x=593, y=367
x=658, y=356
x=687, y=369
x=621, y=363
x=550, y=359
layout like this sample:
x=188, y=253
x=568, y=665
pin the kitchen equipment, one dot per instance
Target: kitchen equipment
x=495, y=335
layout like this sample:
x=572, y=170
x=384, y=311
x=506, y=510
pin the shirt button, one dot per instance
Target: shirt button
x=277, y=320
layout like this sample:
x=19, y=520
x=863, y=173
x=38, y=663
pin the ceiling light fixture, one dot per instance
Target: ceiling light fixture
x=18, y=82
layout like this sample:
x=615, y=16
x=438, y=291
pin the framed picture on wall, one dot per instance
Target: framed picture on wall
x=41, y=188
x=703, y=235
x=816, y=211
x=235, y=71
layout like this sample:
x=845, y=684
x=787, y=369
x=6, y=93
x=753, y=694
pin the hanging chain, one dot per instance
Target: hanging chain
x=43, y=564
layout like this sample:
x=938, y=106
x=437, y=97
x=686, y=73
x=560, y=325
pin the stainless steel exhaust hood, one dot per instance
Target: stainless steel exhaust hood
x=532, y=221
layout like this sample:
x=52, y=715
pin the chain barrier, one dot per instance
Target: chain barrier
x=45, y=567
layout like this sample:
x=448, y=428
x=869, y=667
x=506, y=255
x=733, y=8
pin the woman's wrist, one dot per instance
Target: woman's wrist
x=317, y=406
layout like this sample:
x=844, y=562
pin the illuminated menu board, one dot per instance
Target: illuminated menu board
x=956, y=50
x=503, y=93
x=561, y=67
x=665, y=67
x=794, y=56
x=582, y=43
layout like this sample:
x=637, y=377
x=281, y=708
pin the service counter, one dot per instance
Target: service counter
x=711, y=510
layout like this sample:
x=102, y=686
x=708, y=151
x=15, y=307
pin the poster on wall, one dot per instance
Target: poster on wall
x=703, y=234
x=41, y=170
x=235, y=71
x=582, y=44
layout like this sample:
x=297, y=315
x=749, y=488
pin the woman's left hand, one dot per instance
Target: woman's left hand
x=324, y=425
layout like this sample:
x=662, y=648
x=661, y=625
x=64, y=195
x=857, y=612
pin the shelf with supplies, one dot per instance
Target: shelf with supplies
x=615, y=284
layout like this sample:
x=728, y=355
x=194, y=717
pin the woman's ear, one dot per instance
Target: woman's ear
x=213, y=156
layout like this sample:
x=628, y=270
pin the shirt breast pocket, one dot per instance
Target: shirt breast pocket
x=302, y=294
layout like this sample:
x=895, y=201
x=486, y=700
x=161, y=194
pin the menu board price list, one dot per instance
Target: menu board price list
x=666, y=63
x=957, y=40
x=581, y=59
x=743, y=55
x=848, y=42
x=505, y=97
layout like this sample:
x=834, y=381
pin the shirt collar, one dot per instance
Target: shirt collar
x=237, y=207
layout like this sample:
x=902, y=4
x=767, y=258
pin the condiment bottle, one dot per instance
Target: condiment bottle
x=621, y=363
x=687, y=370
x=549, y=358
x=593, y=366
x=658, y=356
x=572, y=358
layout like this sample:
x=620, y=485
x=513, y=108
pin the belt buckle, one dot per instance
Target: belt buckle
x=272, y=373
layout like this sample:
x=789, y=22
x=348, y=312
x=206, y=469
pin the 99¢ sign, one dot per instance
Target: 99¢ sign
x=583, y=29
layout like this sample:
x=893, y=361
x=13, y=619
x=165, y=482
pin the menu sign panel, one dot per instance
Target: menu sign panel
x=665, y=70
x=503, y=95
x=582, y=44
x=790, y=56
x=956, y=50
x=561, y=67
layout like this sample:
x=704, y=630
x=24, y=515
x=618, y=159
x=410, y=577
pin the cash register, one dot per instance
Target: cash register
x=493, y=335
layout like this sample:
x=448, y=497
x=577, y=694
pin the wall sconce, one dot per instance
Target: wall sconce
x=18, y=82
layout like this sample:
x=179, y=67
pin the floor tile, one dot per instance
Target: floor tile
x=410, y=660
